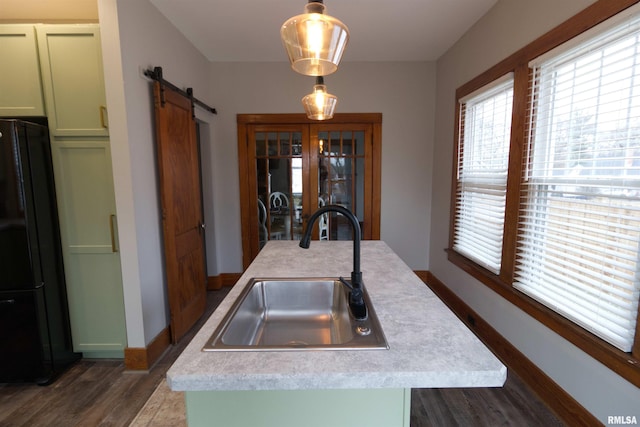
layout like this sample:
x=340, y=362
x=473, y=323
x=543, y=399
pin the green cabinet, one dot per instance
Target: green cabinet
x=73, y=80
x=20, y=85
x=56, y=70
x=86, y=203
x=383, y=407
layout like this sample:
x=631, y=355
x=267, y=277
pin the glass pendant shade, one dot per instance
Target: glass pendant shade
x=314, y=41
x=319, y=105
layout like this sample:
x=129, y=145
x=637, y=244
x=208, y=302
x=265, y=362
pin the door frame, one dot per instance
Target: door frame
x=245, y=166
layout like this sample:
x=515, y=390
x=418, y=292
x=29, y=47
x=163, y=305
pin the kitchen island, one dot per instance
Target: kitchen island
x=429, y=347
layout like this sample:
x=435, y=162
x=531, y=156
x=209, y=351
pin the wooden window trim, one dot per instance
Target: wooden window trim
x=624, y=364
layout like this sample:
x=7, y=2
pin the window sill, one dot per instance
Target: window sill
x=624, y=364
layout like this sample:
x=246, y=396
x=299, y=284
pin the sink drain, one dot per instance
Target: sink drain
x=363, y=330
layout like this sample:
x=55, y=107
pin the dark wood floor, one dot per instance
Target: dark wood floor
x=511, y=405
x=102, y=393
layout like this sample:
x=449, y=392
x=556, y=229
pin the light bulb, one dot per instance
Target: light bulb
x=319, y=99
x=315, y=39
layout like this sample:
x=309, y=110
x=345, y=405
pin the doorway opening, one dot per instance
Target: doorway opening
x=290, y=166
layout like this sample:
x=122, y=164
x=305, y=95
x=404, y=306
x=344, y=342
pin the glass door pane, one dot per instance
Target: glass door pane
x=341, y=177
x=279, y=185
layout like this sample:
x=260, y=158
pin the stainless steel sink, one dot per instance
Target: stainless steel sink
x=296, y=314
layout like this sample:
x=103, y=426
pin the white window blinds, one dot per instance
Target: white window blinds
x=483, y=160
x=580, y=222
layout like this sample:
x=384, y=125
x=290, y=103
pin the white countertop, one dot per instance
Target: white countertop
x=428, y=346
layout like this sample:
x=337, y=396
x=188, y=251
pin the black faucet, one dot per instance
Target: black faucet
x=356, y=299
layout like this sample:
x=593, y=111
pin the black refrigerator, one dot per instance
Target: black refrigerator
x=35, y=336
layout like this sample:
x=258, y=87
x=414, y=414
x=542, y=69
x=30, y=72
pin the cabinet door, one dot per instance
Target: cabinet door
x=84, y=182
x=20, y=87
x=72, y=75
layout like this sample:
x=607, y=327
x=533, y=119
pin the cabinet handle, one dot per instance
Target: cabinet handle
x=103, y=113
x=112, y=226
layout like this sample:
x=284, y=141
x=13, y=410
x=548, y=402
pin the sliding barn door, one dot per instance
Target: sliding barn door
x=179, y=173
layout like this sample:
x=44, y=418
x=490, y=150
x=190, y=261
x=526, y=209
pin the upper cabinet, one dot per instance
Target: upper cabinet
x=20, y=86
x=73, y=80
x=53, y=71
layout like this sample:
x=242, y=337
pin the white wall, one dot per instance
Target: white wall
x=137, y=37
x=507, y=27
x=403, y=92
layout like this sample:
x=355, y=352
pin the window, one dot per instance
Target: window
x=580, y=225
x=483, y=159
x=546, y=196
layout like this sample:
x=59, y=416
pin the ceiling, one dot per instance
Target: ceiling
x=381, y=30
x=248, y=30
x=48, y=11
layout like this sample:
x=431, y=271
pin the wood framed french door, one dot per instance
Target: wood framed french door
x=289, y=166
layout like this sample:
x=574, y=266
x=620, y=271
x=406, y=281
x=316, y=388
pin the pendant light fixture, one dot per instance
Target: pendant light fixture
x=319, y=105
x=314, y=41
